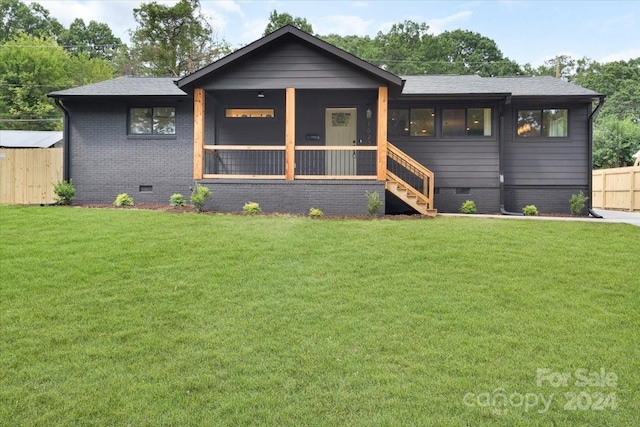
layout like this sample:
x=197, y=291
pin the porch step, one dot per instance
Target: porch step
x=410, y=196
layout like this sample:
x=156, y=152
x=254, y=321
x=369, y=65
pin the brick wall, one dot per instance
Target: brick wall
x=550, y=199
x=105, y=161
x=332, y=197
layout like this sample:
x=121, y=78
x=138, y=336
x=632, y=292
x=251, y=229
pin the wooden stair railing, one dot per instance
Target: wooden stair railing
x=401, y=168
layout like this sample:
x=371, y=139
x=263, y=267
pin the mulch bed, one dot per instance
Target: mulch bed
x=185, y=209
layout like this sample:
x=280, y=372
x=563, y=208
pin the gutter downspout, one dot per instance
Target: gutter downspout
x=503, y=108
x=66, y=158
x=590, y=158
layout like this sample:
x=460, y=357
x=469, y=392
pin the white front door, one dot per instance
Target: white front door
x=340, y=130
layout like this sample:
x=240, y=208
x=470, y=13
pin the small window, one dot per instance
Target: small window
x=462, y=122
x=146, y=188
x=260, y=113
x=411, y=122
x=152, y=121
x=548, y=123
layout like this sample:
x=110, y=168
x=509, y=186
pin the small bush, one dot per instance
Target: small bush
x=577, y=203
x=469, y=207
x=199, y=196
x=65, y=192
x=177, y=200
x=315, y=213
x=374, y=203
x=251, y=208
x=123, y=199
x=530, y=210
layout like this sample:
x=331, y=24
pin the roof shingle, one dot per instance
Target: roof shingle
x=476, y=85
x=126, y=86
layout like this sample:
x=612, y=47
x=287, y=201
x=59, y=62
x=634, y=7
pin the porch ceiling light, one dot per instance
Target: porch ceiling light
x=261, y=94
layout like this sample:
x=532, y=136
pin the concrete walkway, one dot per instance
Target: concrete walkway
x=632, y=218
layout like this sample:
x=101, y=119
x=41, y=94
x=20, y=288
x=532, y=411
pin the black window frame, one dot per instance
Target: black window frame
x=153, y=115
x=409, y=118
x=541, y=137
x=466, y=123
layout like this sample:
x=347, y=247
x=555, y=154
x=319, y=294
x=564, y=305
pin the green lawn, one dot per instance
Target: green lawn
x=130, y=317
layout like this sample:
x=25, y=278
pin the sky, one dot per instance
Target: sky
x=525, y=31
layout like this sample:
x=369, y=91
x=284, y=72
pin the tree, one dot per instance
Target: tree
x=362, y=47
x=95, y=40
x=615, y=142
x=173, y=40
x=472, y=53
x=405, y=48
x=31, y=67
x=34, y=20
x=279, y=20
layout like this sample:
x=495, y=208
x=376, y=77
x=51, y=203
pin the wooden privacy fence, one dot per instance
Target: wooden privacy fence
x=27, y=175
x=617, y=189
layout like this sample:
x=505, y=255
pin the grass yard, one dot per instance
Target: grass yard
x=145, y=318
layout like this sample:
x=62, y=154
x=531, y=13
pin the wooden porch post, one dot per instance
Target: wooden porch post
x=382, y=132
x=290, y=134
x=198, y=132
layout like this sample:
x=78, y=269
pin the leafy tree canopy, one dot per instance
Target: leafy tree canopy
x=173, y=40
x=33, y=19
x=31, y=67
x=95, y=40
x=615, y=141
x=279, y=20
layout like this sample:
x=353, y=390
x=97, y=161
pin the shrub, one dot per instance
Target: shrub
x=577, y=203
x=251, y=208
x=374, y=203
x=315, y=213
x=530, y=210
x=468, y=207
x=177, y=200
x=199, y=196
x=123, y=199
x=65, y=192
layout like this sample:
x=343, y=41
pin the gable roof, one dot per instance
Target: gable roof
x=476, y=85
x=287, y=32
x=29, y=138
x=126, y=86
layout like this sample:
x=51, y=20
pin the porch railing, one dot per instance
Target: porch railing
x=268, y=162
x=410, y=173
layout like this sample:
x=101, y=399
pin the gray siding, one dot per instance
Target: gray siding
x=292, y=63
x=547, y=161
x=456, y=162
x=105, y=161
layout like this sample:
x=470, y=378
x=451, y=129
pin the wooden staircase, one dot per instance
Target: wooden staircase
x=402, y=168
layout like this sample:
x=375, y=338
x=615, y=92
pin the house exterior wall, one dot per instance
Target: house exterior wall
x=290, y=63
x=310, y=121
x=105, y=161
x=333, y=197
x=464, y=168
x=545, y=172
x=542, y=171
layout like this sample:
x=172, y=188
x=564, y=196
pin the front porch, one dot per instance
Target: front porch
x=330, y=165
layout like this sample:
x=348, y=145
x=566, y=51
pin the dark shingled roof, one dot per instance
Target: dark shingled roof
x=476, y=85
x=126, y=86
x=424, y=85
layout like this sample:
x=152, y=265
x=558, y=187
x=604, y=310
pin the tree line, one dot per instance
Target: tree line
x=39, y=55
